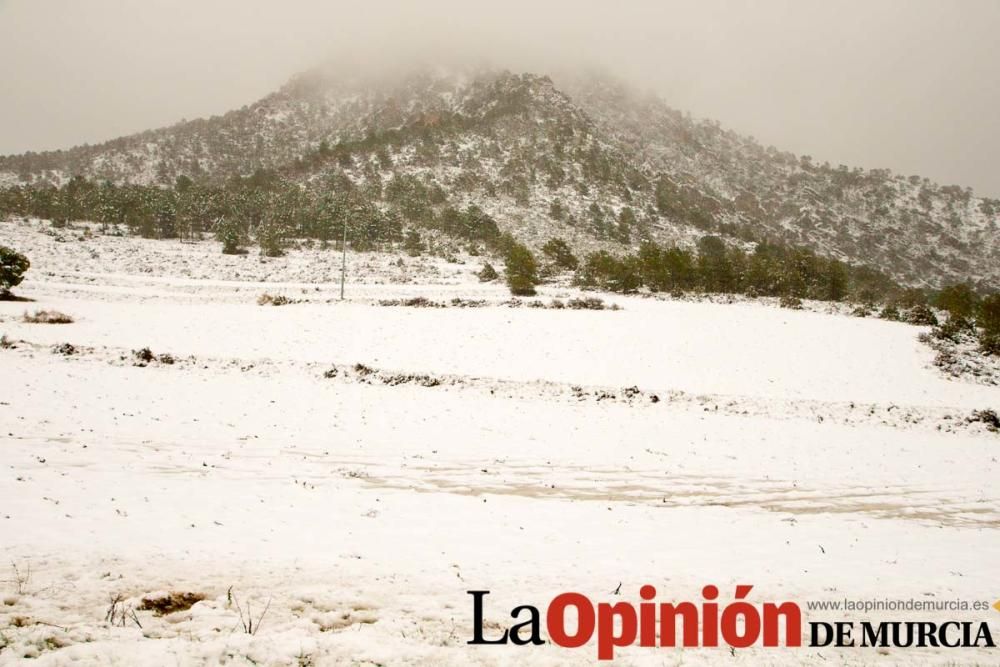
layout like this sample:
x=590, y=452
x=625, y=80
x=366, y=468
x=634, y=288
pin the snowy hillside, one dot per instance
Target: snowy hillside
x=585, y=159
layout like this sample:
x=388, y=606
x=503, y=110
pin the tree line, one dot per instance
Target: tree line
x=791, y=273
x=769, y=269
x=263, y=208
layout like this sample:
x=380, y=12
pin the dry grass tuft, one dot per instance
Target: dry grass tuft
x=169, y=603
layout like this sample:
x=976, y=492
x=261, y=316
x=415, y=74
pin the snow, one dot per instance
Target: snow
x=738, y=350
x=362, y=511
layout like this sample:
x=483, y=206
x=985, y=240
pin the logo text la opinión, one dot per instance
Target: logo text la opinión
x=572, y=620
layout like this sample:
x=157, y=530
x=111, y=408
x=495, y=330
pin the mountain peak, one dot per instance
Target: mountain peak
x=587, y=158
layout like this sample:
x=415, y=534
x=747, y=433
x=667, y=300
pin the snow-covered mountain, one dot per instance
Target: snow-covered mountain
x=585, y=158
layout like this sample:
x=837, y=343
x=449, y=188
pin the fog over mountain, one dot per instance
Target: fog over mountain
x=902, y=85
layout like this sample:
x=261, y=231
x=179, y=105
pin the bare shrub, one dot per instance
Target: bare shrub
x=65, y=349
x=459, y=302
x=267, y=299
x=791, y=302
x=250, y=626
x=863, y=310
x=47, y=317
x=487, y=274
x=413, y=302
x=119, y=612
x=989, y=343
x=955, y=329
x=891, y=313
x=402, y=378
x=987, y=417
x=587, y=303
x=22, y=577
x=921, y=315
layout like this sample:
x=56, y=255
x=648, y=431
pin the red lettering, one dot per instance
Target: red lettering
x=555, y=620
x=606, y=637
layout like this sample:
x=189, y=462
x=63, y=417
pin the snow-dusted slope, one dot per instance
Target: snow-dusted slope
x=917, y=230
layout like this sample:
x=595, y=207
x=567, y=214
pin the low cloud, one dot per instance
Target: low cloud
x=903, y=84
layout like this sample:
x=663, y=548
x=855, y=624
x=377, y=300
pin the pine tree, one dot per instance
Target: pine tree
x=413, y=243
x=558, y=252
x=229, y=231
x=12, y=267
x=959, y=300
x=522, y=272
x=988, y=320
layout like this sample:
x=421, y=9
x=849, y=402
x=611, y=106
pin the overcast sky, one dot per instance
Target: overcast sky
x=911, y=85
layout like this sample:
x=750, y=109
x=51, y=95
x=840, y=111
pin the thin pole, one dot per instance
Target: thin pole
x=343, y=261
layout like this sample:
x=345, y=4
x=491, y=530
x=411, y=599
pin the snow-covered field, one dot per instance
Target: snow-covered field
x=523, y=451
